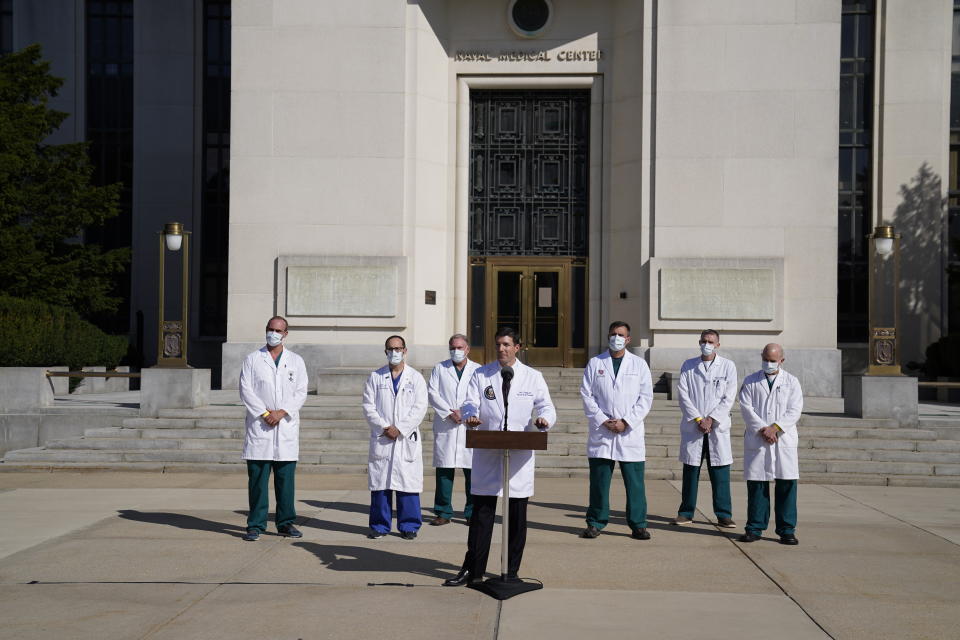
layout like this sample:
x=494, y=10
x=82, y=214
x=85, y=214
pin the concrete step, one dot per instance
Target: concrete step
x=239, y=468
x=889, y=464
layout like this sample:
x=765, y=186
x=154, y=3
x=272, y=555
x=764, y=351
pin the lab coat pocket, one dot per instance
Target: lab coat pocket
x=411, y=446
x=381, y=448
x=789, y=438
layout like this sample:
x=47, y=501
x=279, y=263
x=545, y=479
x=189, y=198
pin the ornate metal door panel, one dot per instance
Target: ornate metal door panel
x=529, y=153
x=528, y=197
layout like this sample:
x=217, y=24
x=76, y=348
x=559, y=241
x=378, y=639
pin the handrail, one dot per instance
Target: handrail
x=934, y=383
x=90, y=374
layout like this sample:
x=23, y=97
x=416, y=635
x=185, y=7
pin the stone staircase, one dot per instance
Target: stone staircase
x=333, y=439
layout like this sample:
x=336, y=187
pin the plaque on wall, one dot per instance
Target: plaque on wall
x=342, y=290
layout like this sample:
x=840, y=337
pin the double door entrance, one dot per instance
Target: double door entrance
x=528, y=222
x=542, y=299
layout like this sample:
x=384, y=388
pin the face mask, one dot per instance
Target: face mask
x=770, y=367
x=706, y=348
x=617, y=342
x=395, y=357
x=457, y=355
x=274, y=338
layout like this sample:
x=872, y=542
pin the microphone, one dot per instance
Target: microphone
x=507, y=374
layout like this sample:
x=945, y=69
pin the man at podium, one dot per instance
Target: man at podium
x=527, y=396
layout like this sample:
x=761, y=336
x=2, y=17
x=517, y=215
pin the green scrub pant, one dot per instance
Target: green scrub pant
x=443, y=497
x=601, y=471
x=758, y=506
x=258, y=488
x=719, y=484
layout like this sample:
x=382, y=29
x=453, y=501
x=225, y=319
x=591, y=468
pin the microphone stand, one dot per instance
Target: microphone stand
x=505, y=529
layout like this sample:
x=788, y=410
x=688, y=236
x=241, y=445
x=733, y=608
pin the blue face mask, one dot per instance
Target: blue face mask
x=770, y=368
x=395, y=357
x=706, y=348
x=457, y=355
x=274, y=338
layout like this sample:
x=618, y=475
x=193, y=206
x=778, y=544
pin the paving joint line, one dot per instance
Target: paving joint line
x=160, y=626
x=746, y=555
x=889, y=515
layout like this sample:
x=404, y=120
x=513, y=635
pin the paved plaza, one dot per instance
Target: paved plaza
x=140, y=555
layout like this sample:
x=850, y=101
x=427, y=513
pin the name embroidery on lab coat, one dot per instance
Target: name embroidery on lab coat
x=489, y=394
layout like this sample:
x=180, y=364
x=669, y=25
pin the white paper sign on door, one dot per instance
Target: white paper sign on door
x=544, y=297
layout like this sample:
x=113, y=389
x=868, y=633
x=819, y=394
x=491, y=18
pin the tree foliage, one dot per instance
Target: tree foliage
x=47, y=199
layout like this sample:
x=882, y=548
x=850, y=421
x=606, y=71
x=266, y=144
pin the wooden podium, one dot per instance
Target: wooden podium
x=502, y=588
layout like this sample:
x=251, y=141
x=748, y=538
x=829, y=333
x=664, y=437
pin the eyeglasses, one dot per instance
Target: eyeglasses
x=397, y=350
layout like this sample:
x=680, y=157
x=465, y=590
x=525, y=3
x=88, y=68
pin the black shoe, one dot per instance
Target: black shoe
x=748, y=537
x=252, y=535
x=640, y=534
x=375, y=535
x=512, y=577
x=408, y=535
x=289, y=531
x=461, y=579
x=590, y=532
x=789, y=538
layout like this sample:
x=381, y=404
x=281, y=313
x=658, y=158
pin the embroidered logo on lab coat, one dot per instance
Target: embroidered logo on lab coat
x=489, y=394
x=599, y=372
x=291, y=376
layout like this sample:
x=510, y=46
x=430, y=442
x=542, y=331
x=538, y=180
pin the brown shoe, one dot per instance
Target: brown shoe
x=726, y=523
x=681, y=520
x=438, y=521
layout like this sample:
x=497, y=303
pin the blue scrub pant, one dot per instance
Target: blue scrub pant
x=381, y=511
x=758, y=506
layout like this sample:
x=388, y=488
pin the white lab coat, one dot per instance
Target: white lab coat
x=761, y=406
x=268, y=386
x=706, y=392
x=529, y=395
x=448, y=392
x=395, y=464
x=628, y=396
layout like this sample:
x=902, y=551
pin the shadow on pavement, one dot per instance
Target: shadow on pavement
x=349, y=558
x=349, y=507
x=619, y=518
x=182, y=521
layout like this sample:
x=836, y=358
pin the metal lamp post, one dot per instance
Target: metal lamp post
x=884, y=281
x=172, y=334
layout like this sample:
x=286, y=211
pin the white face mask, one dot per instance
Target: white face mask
x=617, y=342
x=274, y=338
x=706, y=348
x=395, y=357
x=770, y=367
x=457, y=355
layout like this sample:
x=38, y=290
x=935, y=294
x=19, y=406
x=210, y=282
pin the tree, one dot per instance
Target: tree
x=47, y=199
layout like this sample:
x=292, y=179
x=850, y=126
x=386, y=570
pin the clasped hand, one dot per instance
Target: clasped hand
x=706, y=425
x=615, y=425
x=273, y=418
x=392, y=432
x=769, y=434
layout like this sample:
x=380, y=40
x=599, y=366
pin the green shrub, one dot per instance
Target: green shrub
x=37, y=334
